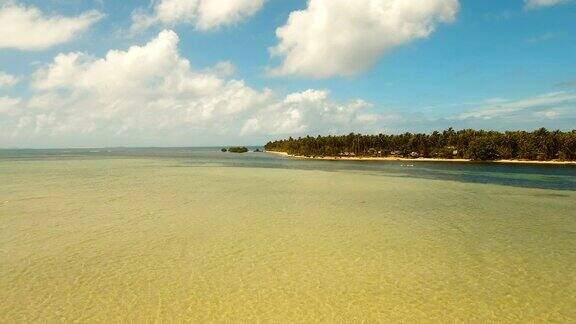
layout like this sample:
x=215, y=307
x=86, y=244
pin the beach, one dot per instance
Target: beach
x=391, y=158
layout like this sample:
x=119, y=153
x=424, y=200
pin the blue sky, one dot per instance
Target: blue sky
x=482, y=64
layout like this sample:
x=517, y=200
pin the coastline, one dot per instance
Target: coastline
x=388, y=158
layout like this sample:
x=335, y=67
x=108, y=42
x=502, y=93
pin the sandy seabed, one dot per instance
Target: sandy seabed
x=160, y=241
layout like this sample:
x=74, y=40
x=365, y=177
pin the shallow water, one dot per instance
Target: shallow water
x=560, y=177
x=168, y=237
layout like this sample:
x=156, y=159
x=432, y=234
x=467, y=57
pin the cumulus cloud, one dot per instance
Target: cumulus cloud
x=27, y=28
x=7, y=80
x=537, y=4
x=342, y=37
x=203, y=14
x=150, y=94
x=148, y=88
x=224, y=69
x=312, y=112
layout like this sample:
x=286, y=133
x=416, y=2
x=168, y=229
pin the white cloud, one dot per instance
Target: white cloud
x=224, y=69
x=312, y=112
x=203, y=14
x=9, y=105
x=543, y=37
x=550, y=114
x=27, y=28
x=146, y=88
x=151, y=95
x=545, y=105
x=7, y=80
x=342, y=37
x=537, y=4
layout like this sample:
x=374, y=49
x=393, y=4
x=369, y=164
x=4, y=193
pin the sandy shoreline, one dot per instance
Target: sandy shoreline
x=334, y=158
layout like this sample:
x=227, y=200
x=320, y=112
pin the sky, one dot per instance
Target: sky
x=106, y=73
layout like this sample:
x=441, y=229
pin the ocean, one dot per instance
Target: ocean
x=194, y=234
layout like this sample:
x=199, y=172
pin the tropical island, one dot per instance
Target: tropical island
x=540, y=145
x=239, y=149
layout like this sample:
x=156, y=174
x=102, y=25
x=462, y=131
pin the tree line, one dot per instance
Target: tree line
x=479, y=145
x=237, y=149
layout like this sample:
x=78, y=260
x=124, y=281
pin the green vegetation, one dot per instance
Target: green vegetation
x=478, y=145
x=238, y=149
x=224, y=150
